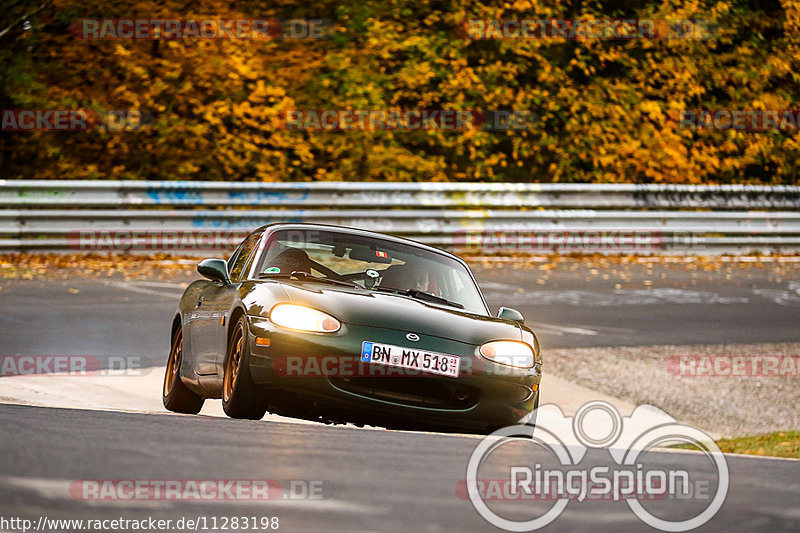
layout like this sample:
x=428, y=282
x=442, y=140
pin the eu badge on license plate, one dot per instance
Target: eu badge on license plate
x=410, y=358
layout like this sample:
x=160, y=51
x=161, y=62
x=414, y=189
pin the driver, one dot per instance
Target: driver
x=290, y=260
x=405, y=277
x=419, y=280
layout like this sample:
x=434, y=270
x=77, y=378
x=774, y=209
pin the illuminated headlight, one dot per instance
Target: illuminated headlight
x=511, y=353
x=303, y=318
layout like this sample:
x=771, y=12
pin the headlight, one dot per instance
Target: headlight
x=511, y=353
x=303, y=318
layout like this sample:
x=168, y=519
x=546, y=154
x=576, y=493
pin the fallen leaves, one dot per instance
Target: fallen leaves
x=617, y=269
x=77, y=266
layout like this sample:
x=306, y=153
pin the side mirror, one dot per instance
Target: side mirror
x=507, y=313
x=214, y=269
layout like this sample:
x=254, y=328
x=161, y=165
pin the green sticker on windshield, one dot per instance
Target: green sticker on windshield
x=272, y=270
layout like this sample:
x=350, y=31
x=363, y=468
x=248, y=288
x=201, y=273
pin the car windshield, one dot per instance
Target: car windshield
x=370, y=263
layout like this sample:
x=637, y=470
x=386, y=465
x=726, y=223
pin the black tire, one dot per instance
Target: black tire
x=241, y=398
x=175, y=395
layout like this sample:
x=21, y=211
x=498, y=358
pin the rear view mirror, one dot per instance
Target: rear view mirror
x=506, y=313
x=368, y=255
x=214, y=269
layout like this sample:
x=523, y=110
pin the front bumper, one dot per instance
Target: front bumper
x=320, y=376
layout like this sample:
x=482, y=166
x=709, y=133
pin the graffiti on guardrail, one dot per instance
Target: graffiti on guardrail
x=268, y=197
x=722, y=197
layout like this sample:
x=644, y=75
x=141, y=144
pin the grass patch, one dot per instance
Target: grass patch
x=778, y=444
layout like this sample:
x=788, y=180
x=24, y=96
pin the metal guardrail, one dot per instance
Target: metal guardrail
x=115, y=194
x=479, y=217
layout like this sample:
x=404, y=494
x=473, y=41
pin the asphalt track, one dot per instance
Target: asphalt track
x=370, y=480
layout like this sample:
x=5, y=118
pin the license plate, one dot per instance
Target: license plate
x=405, y=357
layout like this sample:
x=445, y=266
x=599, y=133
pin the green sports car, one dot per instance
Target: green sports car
x=345, y=325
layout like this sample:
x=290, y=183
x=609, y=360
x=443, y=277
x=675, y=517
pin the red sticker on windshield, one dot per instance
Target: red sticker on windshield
x=382, y=255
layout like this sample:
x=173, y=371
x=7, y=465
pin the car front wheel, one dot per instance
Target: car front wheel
x=241, y=398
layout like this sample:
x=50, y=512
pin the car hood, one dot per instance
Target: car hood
x=383, y=310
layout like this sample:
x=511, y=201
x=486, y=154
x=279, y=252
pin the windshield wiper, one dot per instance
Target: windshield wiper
x=421, y=295
x=305, y=276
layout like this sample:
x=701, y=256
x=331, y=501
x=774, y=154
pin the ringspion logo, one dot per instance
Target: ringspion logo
x=621, y=472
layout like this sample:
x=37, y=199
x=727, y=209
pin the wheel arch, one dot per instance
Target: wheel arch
x=237, y=313
x=177, y=323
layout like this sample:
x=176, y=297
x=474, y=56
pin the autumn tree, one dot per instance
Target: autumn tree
x=607, y=110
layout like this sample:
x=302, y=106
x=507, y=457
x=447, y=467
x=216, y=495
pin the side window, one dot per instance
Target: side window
x=242, y=254
x=234, y=255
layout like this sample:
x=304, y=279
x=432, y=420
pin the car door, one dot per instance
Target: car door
x=206, y=324
x=210, y=311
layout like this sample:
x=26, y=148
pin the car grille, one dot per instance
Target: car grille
x=413, y=391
